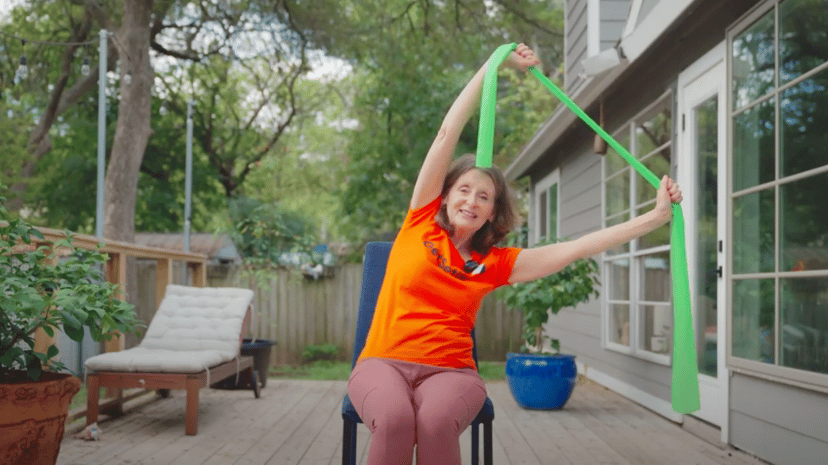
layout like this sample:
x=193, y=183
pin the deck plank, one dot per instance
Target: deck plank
x=299, y=423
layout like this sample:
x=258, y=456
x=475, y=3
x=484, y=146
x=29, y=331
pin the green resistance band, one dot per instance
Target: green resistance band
x=685, y=382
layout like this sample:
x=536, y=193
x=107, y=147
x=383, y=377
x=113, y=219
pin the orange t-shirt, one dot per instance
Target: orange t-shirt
x=428, y=304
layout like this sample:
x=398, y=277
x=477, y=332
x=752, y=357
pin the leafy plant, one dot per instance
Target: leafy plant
x=315, y=352
x=49, y=287
x=267, y=233
x=538, y=298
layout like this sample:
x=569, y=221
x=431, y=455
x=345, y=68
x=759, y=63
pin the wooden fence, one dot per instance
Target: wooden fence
x=296, y=312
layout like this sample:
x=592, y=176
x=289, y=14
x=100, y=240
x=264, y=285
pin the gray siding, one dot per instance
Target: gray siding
x=576, y=41
x=779, y=423
x=614, y=14
x=612, y=17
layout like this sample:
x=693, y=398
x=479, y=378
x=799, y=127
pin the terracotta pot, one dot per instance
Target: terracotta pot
x=32, y=418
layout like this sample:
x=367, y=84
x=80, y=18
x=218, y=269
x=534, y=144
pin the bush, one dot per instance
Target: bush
x=315, y=352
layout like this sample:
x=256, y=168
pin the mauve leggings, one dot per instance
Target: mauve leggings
x=404, y=403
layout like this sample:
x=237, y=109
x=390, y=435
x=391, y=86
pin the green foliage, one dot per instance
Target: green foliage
x=492, y=371
x=524, y=106
x=573, y=285
x=318, y=370
x=315, y=352
x=245, y=65
x=411, y=60
x=341, y=371
x=265, y=232
x=69, y=295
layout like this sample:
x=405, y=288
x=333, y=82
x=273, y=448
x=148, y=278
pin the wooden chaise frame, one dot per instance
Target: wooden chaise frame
x=164, y=382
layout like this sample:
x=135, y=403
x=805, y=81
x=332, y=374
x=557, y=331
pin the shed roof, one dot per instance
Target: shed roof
x=219, y=248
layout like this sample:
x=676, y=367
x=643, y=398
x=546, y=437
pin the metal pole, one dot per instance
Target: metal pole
x=188, y=181
x=99, y=210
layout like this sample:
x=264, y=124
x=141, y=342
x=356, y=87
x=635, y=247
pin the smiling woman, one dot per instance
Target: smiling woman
x=479, y=202
x=418, y=352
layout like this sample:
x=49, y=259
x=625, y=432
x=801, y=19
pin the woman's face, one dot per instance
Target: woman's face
x=470, y=202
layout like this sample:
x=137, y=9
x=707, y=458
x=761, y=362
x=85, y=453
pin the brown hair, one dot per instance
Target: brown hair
x=505, y=216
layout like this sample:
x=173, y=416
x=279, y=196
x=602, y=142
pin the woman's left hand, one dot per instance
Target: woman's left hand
x=522, y=58
x=668, y=194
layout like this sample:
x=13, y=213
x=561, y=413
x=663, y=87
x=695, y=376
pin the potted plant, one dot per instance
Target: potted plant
x=540, y=377
x=49, y=288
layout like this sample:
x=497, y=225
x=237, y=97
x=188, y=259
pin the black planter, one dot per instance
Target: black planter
x=260, y=349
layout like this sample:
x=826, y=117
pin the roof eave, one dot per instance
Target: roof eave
x=561, y=119
x=663, y=17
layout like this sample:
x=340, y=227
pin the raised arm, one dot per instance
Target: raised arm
x=439, y=156
x=542, y=261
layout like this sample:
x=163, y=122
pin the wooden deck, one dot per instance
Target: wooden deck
x=299, y=422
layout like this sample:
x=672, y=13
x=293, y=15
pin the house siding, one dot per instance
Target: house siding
x=780, y=423
x=612, y=17
x=576, y=41
x=776, y=421
x=614, y=14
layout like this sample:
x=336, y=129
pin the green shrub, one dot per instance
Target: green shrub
x=315, y=352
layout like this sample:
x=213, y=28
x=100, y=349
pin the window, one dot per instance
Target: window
x=639, y=309
x=779, y=262
x=546, y=200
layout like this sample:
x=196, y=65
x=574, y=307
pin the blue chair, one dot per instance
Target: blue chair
x=376, y=259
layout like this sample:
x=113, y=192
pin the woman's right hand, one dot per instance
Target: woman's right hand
x=522, y=58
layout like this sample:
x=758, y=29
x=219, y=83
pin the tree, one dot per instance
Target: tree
x=140, y=30
x=411, y=59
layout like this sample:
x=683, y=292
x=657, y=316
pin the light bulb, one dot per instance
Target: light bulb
x=85, y=69
x=23, y=69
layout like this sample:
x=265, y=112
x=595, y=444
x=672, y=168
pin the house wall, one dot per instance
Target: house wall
x=614, y=14
x=775, y=421
x=575, y=41
x=592, y=26
x=780, y=423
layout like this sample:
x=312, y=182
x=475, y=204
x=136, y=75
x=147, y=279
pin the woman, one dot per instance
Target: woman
x=415, y=381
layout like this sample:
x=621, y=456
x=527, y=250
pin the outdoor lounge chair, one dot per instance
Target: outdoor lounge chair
x=193, y=341
x=376, y=259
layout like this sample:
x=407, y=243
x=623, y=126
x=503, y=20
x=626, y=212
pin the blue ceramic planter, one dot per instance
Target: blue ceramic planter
x=542, y=382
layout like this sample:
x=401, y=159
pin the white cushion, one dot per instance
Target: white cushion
x=193, y=329
x=156, y=360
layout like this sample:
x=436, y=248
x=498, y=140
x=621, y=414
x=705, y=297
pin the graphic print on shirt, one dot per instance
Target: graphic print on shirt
x=442, y=262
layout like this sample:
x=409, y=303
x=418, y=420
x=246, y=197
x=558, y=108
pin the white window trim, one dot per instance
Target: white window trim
x=635, y=349
x=542, y=186
x=645, y=33
x=635, y=10
x=812, y=381
x=593, y=27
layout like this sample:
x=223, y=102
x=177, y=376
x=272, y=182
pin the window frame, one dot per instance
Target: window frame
x=634, y=255
x=543, y=187
x=775, y=372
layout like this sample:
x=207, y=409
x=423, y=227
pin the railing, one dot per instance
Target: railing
x=116, y=272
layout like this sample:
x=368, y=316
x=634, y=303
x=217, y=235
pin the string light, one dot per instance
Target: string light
x=23, y=69
x=85, y=68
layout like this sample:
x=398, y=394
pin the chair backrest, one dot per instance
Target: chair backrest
x=199, y=318
x=373, y=272
x=375, y=261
